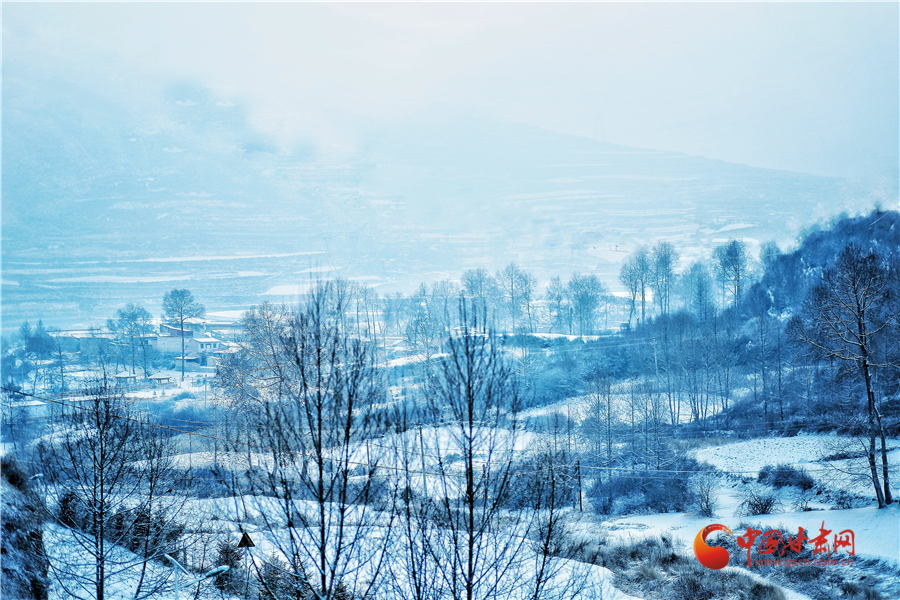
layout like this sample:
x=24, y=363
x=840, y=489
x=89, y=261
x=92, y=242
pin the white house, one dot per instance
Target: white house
x=168, y=343
x=203, y=345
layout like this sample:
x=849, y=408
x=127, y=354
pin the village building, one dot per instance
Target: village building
x=203, y=345
x=167, y=343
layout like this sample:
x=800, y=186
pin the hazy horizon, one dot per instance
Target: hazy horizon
x=808, y=87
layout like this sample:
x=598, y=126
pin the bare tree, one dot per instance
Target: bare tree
x=664, y=258
x=517, y=287
x=394, y=312
x=704, y=490
x=444, y=295
x=844, y=316
x=424, y=328
x=553, y=483
x=370, y=301
x=585, y=293
x=635, y=276
x=528, y=290
x=557, y=305
x=732, y=266
x=110, y=474
x=131, y=323
x=602, y=423
x=57, y=373
x=481, y=289
x=474, y=393
x=758, y=307
x=697, y=291
x=340, y=300
x=178, y=306
x=414, y=574
x=312, y=429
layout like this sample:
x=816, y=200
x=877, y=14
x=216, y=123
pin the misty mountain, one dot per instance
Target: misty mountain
x=104, y=200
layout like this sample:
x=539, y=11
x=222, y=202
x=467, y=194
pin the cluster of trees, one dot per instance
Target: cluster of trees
x=411, y=498
x=506, y=301
x=807, y=341
x=39, y=359
x=646, y=271
x=850, y=316
x=107, y=474
x=21, y=366
x=652, y=273
x=509, y=300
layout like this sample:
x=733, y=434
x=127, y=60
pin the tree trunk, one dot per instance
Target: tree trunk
x=888, y=498
x=879, y=495
x=884, y=497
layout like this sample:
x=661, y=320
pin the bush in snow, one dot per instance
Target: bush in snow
x=785, y=475
x=801, y=498
x=843, y=500
x=276, y=579
x=757, y=501
x=804, y=573
x=14, y=474
x=660, y=491
x=693, y=583
x=704, y=491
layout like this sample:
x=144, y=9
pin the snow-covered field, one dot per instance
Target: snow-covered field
x=877, y=532
x=745, y=459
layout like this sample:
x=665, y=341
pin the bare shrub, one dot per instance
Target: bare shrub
x=757, y=501
x=704, y=490
x=804, y=573
x=843, y=500
x=785, y=475
x=649, y=572
x=802, y=497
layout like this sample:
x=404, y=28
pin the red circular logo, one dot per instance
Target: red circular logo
x=711, y=557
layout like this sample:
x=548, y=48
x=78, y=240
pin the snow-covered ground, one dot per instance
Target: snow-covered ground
x=877, y=532
x=745, y=459
x=226, y=519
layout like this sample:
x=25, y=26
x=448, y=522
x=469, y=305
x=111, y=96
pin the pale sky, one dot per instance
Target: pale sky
x=809, y=87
